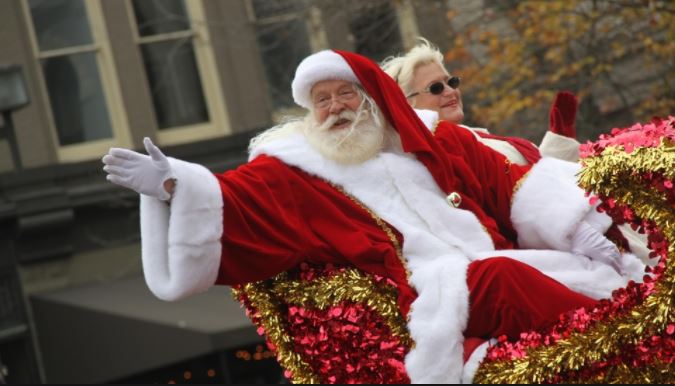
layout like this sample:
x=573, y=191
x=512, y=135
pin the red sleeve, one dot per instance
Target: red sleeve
x=496, y=175
x=276, y=216
x=263, y=230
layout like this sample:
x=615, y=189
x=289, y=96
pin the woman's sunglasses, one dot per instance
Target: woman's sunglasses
x=437, y=88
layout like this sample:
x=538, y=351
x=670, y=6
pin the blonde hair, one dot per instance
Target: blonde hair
x=402, y=68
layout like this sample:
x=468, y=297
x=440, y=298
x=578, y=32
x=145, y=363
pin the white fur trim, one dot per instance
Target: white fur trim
x=428, y=117
x=549, y=191
x=502, y=147
x=474, y=361
x=559, y=146
x=323, y=65
x=506, y=149
x=181, y=244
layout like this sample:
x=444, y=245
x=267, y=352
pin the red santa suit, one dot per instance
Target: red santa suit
x=446, y=202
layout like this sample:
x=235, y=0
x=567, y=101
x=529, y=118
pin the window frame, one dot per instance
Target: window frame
x=120, y=135
x=219, y=122
x=316, y=35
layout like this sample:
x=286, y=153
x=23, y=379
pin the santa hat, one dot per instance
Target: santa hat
x=324, y=65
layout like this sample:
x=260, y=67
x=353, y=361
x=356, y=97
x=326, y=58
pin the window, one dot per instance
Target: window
x=180, y=69
x=375, y=28
x=289, y=30
x=283, y=40
x=78, y=78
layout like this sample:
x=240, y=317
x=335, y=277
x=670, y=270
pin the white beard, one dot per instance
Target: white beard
x=357, y=143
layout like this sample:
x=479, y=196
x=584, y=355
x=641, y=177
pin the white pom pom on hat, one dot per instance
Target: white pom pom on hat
x=323, y=65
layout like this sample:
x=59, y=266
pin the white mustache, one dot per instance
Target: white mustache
x=330, y=121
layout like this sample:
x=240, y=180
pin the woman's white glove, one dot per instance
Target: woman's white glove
x=598, y=220
x=588, y=241
x=139, y=172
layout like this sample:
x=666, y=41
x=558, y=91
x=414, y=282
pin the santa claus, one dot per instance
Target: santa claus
x=479, y=247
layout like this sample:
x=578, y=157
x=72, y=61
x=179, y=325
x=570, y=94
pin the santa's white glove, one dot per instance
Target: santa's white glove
x=600, y=221
x=139, y=172
x=589, y=242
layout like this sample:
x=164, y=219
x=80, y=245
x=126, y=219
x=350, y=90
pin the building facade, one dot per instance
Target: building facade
x=199, y=77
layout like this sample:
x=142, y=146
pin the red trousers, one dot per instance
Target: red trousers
x=507, y=297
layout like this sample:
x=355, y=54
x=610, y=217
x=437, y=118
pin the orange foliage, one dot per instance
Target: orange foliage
x=616, y=55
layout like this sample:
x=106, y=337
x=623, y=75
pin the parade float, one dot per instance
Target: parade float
x=336, y=324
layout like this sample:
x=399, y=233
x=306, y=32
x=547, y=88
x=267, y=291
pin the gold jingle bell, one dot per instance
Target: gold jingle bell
x=454, y=199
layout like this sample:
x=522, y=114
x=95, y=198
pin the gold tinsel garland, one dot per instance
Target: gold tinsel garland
x=272, y=321
x=320, y=293
x=657, y=373
x=349, y=285
x=614, y=174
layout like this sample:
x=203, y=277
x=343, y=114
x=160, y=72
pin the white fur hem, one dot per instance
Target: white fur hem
x=474, y=361
x=558, y=146
x=180, y=243
x=549, y=191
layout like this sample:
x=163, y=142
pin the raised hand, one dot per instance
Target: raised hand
x=139, y=172
x=563, y=114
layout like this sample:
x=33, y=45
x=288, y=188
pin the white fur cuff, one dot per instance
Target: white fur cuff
x=558, y=146
x=474, y=361
x=549, y=206
x=181, y=244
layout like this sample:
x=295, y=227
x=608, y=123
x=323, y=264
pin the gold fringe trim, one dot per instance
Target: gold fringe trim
x=435, y=126
x=518, y=185
x=383, y=225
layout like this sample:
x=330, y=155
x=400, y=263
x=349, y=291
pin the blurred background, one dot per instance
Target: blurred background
x=201, y=77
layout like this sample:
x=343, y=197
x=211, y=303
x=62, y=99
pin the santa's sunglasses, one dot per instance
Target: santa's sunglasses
x=437, y=88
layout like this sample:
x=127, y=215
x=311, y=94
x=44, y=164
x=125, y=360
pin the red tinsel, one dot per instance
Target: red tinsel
x=347, y=344
x=630, y=138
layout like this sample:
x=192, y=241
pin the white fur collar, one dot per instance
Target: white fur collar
x=428, y=117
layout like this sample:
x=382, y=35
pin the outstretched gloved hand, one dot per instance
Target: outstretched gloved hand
x=139, y=172
x=589, y=242
x=563, y=114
